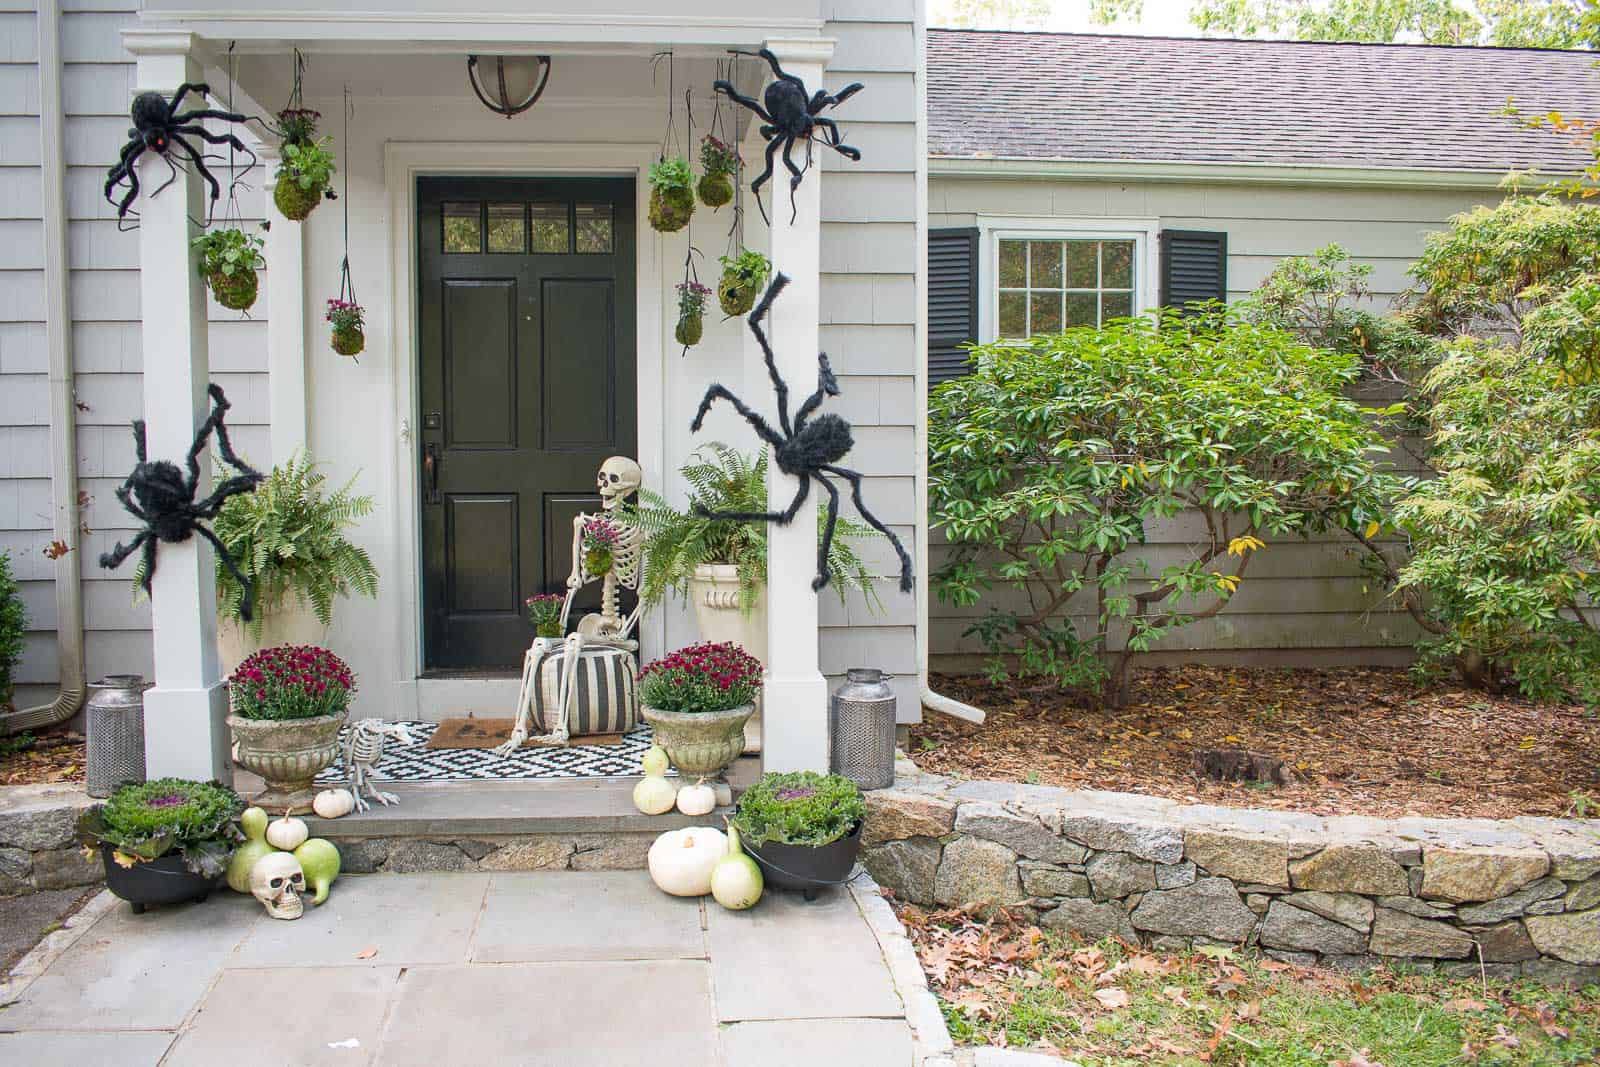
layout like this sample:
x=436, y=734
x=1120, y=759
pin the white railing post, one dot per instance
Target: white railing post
x=186, y=732
x=796, y=695
x=286, y=318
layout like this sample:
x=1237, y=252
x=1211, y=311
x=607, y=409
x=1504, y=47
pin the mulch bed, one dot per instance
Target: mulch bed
x=54, y=755
x=1360, y=741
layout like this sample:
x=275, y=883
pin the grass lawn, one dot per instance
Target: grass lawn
x=1107, y=1005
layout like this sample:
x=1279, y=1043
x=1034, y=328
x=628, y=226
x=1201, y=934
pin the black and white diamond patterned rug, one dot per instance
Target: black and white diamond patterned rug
x=418, y=763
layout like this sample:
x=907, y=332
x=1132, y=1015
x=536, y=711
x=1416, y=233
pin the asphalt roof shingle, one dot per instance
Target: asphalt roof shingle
x=1098, y=98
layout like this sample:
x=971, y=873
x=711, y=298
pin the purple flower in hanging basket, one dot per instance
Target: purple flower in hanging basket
x=346, y=314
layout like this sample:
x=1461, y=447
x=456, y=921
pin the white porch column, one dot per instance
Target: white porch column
x=186, y=734
x=796, y=696
x=286, y=319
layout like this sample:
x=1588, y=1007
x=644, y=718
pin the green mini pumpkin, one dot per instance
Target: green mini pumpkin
x=715, y=190
x=690, y=328
x=236, y=291
x=296, y=203
x=670, y=208
x=349, y=341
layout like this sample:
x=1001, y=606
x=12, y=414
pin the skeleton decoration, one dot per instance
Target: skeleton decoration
x=363, y=747
x=791, y=114
x=279, y=882
x=807, y=449
x=159, y=126
x=619, y=478
x=160, y=496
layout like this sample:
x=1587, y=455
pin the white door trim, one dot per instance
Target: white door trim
x=403, y=164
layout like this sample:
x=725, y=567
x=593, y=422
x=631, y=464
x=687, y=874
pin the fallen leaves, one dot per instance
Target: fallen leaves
x=55, y=755
x=1112, y=998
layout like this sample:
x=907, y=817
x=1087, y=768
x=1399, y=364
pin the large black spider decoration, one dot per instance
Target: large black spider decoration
x=791, y=115
x=807, y=449
x=158, y=126
x=160, y=496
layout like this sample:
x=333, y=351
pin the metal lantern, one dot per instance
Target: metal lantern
x=115, y=726
x=508, y=85
x=861, y=724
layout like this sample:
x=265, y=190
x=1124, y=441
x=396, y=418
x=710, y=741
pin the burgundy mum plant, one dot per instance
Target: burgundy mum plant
x=706, y=677
x=291, y=682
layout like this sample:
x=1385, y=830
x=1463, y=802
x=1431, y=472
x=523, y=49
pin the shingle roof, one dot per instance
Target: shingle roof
x=1085, y=97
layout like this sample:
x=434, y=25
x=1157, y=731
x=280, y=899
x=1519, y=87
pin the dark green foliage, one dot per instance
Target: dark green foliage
x=13, y=624
x=144, y=821
x=800, y=808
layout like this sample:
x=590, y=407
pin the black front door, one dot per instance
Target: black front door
x=526, y=319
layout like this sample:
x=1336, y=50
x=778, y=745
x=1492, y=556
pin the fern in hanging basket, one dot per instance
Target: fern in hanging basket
x=691, y=313
x=229, y=259
x=349, y=323
x=719, y=162
x=743, y=277
x=671, y=194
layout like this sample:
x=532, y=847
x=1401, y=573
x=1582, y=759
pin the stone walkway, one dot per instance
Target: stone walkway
x=569, y=968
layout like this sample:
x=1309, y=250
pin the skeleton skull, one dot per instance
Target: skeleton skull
x=278, y=881
x=619, y=478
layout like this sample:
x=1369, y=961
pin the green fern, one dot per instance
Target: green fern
x=723, y=479
x=288, y=537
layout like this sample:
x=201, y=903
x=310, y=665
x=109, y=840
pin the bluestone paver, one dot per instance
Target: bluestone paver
x=84, y=1049
x=808, y=1042
x=585, y=915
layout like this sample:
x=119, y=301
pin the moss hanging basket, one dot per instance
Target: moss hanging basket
x=236, y=291
x=736, y=294
x=295, y=202
x=690, y=328
x=349, y=341
x=715, y=189
x=670, y=208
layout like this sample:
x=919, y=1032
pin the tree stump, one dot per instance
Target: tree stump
x=1240, y=765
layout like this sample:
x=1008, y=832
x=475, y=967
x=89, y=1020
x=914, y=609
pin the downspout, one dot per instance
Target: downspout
x=63, y=412
x=931, y=700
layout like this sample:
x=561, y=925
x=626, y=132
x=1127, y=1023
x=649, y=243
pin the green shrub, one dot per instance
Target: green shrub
x=1047, y=461
x=13, y=624
x=799, y=808
x=144, y=821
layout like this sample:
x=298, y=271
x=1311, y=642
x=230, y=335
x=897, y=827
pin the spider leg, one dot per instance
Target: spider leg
x=139, y=448
x=224, y=442
x=209, y=113
x=798, y=172
x=113, y=559
x=835, y=99
x=854, y=479
x=779, y=386
x=199, y=164
x=777, y=71
x=782, y=518
x=764, y=176
x=827, y=385
x=212, y=505
x=249, y=596
x=830, y=138
x=767, y=433
x=126, y=498
x=726, y=89
x=227, y=140
x=200, y=88
x=125, y=170
x=823, y=574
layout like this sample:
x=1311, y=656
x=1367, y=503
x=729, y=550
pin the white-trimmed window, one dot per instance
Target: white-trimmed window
x=1052, y=274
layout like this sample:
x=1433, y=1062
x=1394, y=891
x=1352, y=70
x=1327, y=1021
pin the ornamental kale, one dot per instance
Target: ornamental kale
x=800, y=808
x=144, y=821
x=291, y=682
x=705, y=677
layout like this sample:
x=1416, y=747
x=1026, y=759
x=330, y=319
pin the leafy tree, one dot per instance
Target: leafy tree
x=1048, y=460
x=1509, y=23
x=13, y=625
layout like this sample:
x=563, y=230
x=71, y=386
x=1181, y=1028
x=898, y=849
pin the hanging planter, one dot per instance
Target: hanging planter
x=671, y=194
x=307, y=167
x=229, y=259
x=348, y=319
x=600, y=540
x=719, y=162
x=743, y=277
x=691, y=313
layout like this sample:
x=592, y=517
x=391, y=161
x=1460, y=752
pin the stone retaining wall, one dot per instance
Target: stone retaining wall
x=621, y=851
x=39, y=841
x=1518, y=897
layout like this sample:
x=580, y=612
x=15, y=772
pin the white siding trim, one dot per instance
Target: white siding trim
x=1245, y=173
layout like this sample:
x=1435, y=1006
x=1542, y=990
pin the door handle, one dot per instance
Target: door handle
x=430, y=470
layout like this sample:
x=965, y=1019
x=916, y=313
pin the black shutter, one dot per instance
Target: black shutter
x=952, y=301
x=1194, y=266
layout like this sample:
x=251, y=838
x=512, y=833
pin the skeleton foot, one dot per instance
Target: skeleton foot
x=384, y=798
x=519, y=734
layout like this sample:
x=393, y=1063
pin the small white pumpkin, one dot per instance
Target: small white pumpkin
x=333, y=803
x=653, y=795
x=655, y=762
x=697, y=799
x=681, y=861
x=287, y=833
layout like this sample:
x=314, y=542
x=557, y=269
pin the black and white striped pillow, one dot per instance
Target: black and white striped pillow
x=607, y=684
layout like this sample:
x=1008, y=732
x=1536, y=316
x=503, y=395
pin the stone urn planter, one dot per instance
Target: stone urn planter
x=287, y=754
x=700, y=744
x=714, y=592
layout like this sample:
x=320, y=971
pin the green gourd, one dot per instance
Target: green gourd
x=254, y=823
x=320, y=860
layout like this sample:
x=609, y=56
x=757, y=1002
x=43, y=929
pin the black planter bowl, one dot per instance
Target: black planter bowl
x=808, y=868
x=160, y=881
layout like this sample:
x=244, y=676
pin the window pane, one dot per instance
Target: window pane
x=1116, y=264
x=1046, y=313
x=1080, y=309
x=506, y=228
x=462, y=228
x=1044, y=264
x=550, y=228
x=1013, y=264
x=1013, y=314
x=1115, y=306
x=1081, y=264
x=594, y=228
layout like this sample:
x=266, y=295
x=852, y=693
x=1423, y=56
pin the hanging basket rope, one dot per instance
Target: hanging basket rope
x=345, y=312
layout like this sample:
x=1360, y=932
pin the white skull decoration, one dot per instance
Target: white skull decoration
x=278, y=881
x=619, y=478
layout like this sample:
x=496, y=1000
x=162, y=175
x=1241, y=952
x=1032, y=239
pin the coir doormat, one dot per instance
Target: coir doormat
x=491, y=733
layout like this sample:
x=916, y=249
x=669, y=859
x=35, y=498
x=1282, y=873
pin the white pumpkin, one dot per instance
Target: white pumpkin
x=697, y=799
x=654, y=795
x=333, y=803
x=681, y=861
x=287, y=833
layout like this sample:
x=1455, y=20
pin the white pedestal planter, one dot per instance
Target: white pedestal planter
x=714, y=592
x=295, y=624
